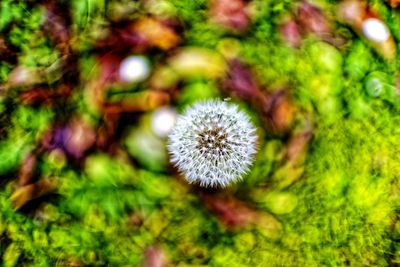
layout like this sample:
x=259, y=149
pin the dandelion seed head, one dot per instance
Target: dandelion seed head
x=212, y=143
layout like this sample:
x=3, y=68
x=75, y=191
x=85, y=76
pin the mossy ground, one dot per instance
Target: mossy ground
x=341, y=211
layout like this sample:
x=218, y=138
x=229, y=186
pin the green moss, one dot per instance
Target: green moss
x=12, y=152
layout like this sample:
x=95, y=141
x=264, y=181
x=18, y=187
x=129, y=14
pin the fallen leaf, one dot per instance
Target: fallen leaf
x=23, y=195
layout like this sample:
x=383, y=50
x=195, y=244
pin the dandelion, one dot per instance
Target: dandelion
x=212, y=143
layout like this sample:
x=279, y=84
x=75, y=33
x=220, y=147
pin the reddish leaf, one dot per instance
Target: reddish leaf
x=27, y=169
x=241, y=82
x=278, y=111
x=290, y=32
x=230, y=14
x=312, y=19
x=235, y=214
x=297, y=145
x=156, y=33
x=155, y=257
x=109, y=66
x=140, y=35
x=47, y=96
x=57, y=25
x=232, y=212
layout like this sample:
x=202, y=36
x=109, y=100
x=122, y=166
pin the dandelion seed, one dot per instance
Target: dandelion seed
x=219, y=150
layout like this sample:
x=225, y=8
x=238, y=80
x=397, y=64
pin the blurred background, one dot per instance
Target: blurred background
x=90, y=90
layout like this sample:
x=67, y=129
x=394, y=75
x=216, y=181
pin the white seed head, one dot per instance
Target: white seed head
x=212, y=143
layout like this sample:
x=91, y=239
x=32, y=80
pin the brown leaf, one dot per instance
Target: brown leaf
x=140, y=102
x=24, y=194
x=22, y=76
x=122, y=40
x=46, y=96
x=279, y=111
x=140, y=35
x=6, y=52
x=156, y=33
x=394, y=3
x=57, y=25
